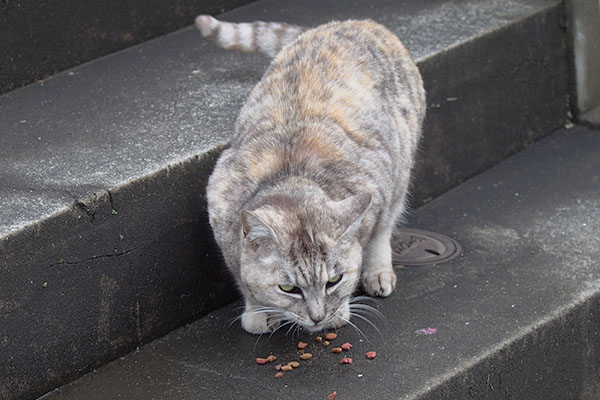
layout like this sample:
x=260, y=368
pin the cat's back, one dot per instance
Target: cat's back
x=356, y=74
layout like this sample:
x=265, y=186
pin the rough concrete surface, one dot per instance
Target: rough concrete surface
x=516, y=315
x=42, y=37
x=104, y=242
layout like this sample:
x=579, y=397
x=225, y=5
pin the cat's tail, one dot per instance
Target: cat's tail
x=265, y=37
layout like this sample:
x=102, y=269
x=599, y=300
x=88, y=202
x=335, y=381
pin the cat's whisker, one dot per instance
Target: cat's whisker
x=367, y=321
x=358, y=330
x=367, y=309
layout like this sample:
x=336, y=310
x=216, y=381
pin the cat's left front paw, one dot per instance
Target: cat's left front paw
x=256, y=323
x=379, y=282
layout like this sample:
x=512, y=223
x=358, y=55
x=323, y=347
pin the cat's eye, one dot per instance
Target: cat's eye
x=290, y=289
x=334, y=280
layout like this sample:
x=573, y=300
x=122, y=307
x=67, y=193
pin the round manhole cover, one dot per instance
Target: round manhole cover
x=415, y=247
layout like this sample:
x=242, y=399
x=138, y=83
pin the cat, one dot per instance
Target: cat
x=304, y=200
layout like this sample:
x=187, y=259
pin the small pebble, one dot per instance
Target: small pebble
x=371, y=355
x=279, y=375
x=346, y=346
x=302, y=345
x=331, y=336
x=346, y=360
x=306, y=356
x=337, y=350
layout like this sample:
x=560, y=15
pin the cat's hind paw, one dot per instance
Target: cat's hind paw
x=379, y=282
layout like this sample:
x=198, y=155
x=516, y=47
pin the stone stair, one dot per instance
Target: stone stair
x=104, y=242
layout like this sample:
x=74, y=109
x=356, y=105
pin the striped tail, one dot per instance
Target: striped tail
x=265, y=37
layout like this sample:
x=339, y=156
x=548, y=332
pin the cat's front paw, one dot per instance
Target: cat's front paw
x=379, y=282
x=256, y=323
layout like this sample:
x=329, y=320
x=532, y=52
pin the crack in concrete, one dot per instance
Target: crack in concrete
x=93, y=258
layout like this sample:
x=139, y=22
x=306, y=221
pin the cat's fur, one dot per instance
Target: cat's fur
x=318, y=169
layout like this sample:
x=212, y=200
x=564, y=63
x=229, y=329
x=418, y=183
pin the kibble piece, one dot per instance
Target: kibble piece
x=261, y=361
x=346, y=360
x=337, y=350
x=306, y=356
x=271, y=358
x=326, y=343
x=302, y=345
x=319, y=339
x=279, y=375
x=371, y=355
x=294, y=364
x=286, y=368
x=346, y=346
x=331, y=336
x=332, y=395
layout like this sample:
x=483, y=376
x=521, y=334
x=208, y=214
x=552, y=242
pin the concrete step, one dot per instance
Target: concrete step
x=104, y=243
x=517, y=315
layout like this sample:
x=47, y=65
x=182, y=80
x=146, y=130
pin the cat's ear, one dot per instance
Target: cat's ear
x=351, y=211
x=256, y=229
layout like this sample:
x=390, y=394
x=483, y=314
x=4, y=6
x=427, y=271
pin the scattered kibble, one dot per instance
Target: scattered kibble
x=306, y=356
x=332, y=395
x=261, y=361
x=346, y=346
x=278, y=367
x=337, y=350
x=279, y=375
x=346, y=360
x=294, y=364
x=371, y=355
x=302, y=345
x=319, y=339
x=271, y=358
x=287, y=368
x=331, y=336
x=326, y=343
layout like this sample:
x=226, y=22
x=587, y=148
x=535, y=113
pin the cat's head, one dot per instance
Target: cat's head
x=302, y=263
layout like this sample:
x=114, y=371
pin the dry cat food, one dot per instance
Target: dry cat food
x=346, y=346
x=279, y=375
x=332, y=395
x=326, y=343
x=346, y=360
x=287, y=368
x=306, y=356
x=269, y=359
x=371, y=355
x=294, y=364
x=302, y=345
x=331, y=336
x=319, y=339
x=336, y=350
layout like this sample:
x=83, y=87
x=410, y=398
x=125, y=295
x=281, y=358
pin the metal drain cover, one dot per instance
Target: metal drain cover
x=416, y=247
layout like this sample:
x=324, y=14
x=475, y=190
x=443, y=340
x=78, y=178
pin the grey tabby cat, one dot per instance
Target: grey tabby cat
x=304, y=201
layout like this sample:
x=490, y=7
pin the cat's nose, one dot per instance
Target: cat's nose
x=316, y=316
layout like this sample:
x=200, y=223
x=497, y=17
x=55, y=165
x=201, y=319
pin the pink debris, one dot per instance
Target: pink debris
x=346, y=360
x=426, y=331
x=371, y=355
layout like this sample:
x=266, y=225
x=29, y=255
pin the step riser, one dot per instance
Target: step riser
x=560, y=360
x=494, y=98
x=166, y=270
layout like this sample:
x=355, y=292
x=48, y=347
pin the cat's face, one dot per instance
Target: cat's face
x=303, y=265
